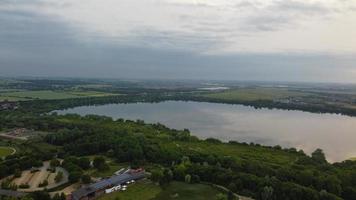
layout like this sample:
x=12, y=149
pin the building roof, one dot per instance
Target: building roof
x=11, y=193
x=114, y=180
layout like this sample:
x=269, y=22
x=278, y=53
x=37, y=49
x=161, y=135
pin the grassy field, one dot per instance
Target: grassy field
x=145, y=190
x=253, y=94
x=5, y=151
x=46, y=94
x=182, y=191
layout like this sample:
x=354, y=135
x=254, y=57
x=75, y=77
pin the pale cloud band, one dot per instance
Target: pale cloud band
x=221, y=25
x=221, y=39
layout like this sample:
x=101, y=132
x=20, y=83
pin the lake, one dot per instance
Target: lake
x=335, y=134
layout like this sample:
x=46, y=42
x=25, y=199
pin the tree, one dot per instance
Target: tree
x=74, y=176
x=220, y=196
x=156, y=175
x=324, y=195
x=187, y=178
x=333, y=185
x=86, y=179
x=54, y=163
x=231, y=196
x=319, y=156
x=56, y=197
x=59, y=177
x=40, y=195
x=232, y=187
x=84, y=163
x=167, y=177
x=100, y=163
x=267, y=193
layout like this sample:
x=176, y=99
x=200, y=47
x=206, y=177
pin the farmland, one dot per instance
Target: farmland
x=49, y=95
x=254, y=94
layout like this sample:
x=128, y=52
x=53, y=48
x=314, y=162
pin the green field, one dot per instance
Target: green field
x=145, y=190
x=182, y=191
x=46, y=94
x=5, y=151
x=254, y=94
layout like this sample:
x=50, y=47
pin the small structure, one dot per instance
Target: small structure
x=11, y=193
x=99, y=188
x=8, y=105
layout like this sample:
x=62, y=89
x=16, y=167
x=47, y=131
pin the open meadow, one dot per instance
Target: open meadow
x=254, y=94
x=6, y=151
x=49, y=95
x=146, y=190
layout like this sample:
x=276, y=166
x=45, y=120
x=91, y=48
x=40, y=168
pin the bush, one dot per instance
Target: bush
x=59, y=177
x=24, y=186
x=43, y=184
x=18, y=173
x=86, y=179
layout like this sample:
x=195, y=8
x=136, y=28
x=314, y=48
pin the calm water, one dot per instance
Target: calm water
x=335, y=134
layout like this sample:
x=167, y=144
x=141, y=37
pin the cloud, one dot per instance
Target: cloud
x=200, y=25
x=205, y=39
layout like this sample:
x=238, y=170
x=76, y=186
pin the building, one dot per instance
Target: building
x=97, y=189
x=8, y=105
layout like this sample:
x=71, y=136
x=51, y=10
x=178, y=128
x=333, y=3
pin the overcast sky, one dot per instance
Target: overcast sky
x=267, y=40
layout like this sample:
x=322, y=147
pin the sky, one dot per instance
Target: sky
x=264, y=40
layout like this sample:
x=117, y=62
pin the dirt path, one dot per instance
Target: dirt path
x=25, y=177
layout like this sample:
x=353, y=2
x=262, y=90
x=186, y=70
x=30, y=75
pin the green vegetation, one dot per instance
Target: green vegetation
x=182, y=191
x=254, y=94
x=49, y=95
x=6, y=151
x=146, y=190
x=240, y=151
x=143, y=190
x=112, y=168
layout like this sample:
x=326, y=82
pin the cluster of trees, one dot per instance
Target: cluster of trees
x=76, y=166
x=14, y=164
x=314, y=108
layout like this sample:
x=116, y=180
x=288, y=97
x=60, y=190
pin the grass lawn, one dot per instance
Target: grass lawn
x=90, y=93
x=3, y=98
x=253, y=94
x=5, y=151
x=184, y=191
x=146, y=190
x=143, y=190
x=113, y=167
x=47, y=94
